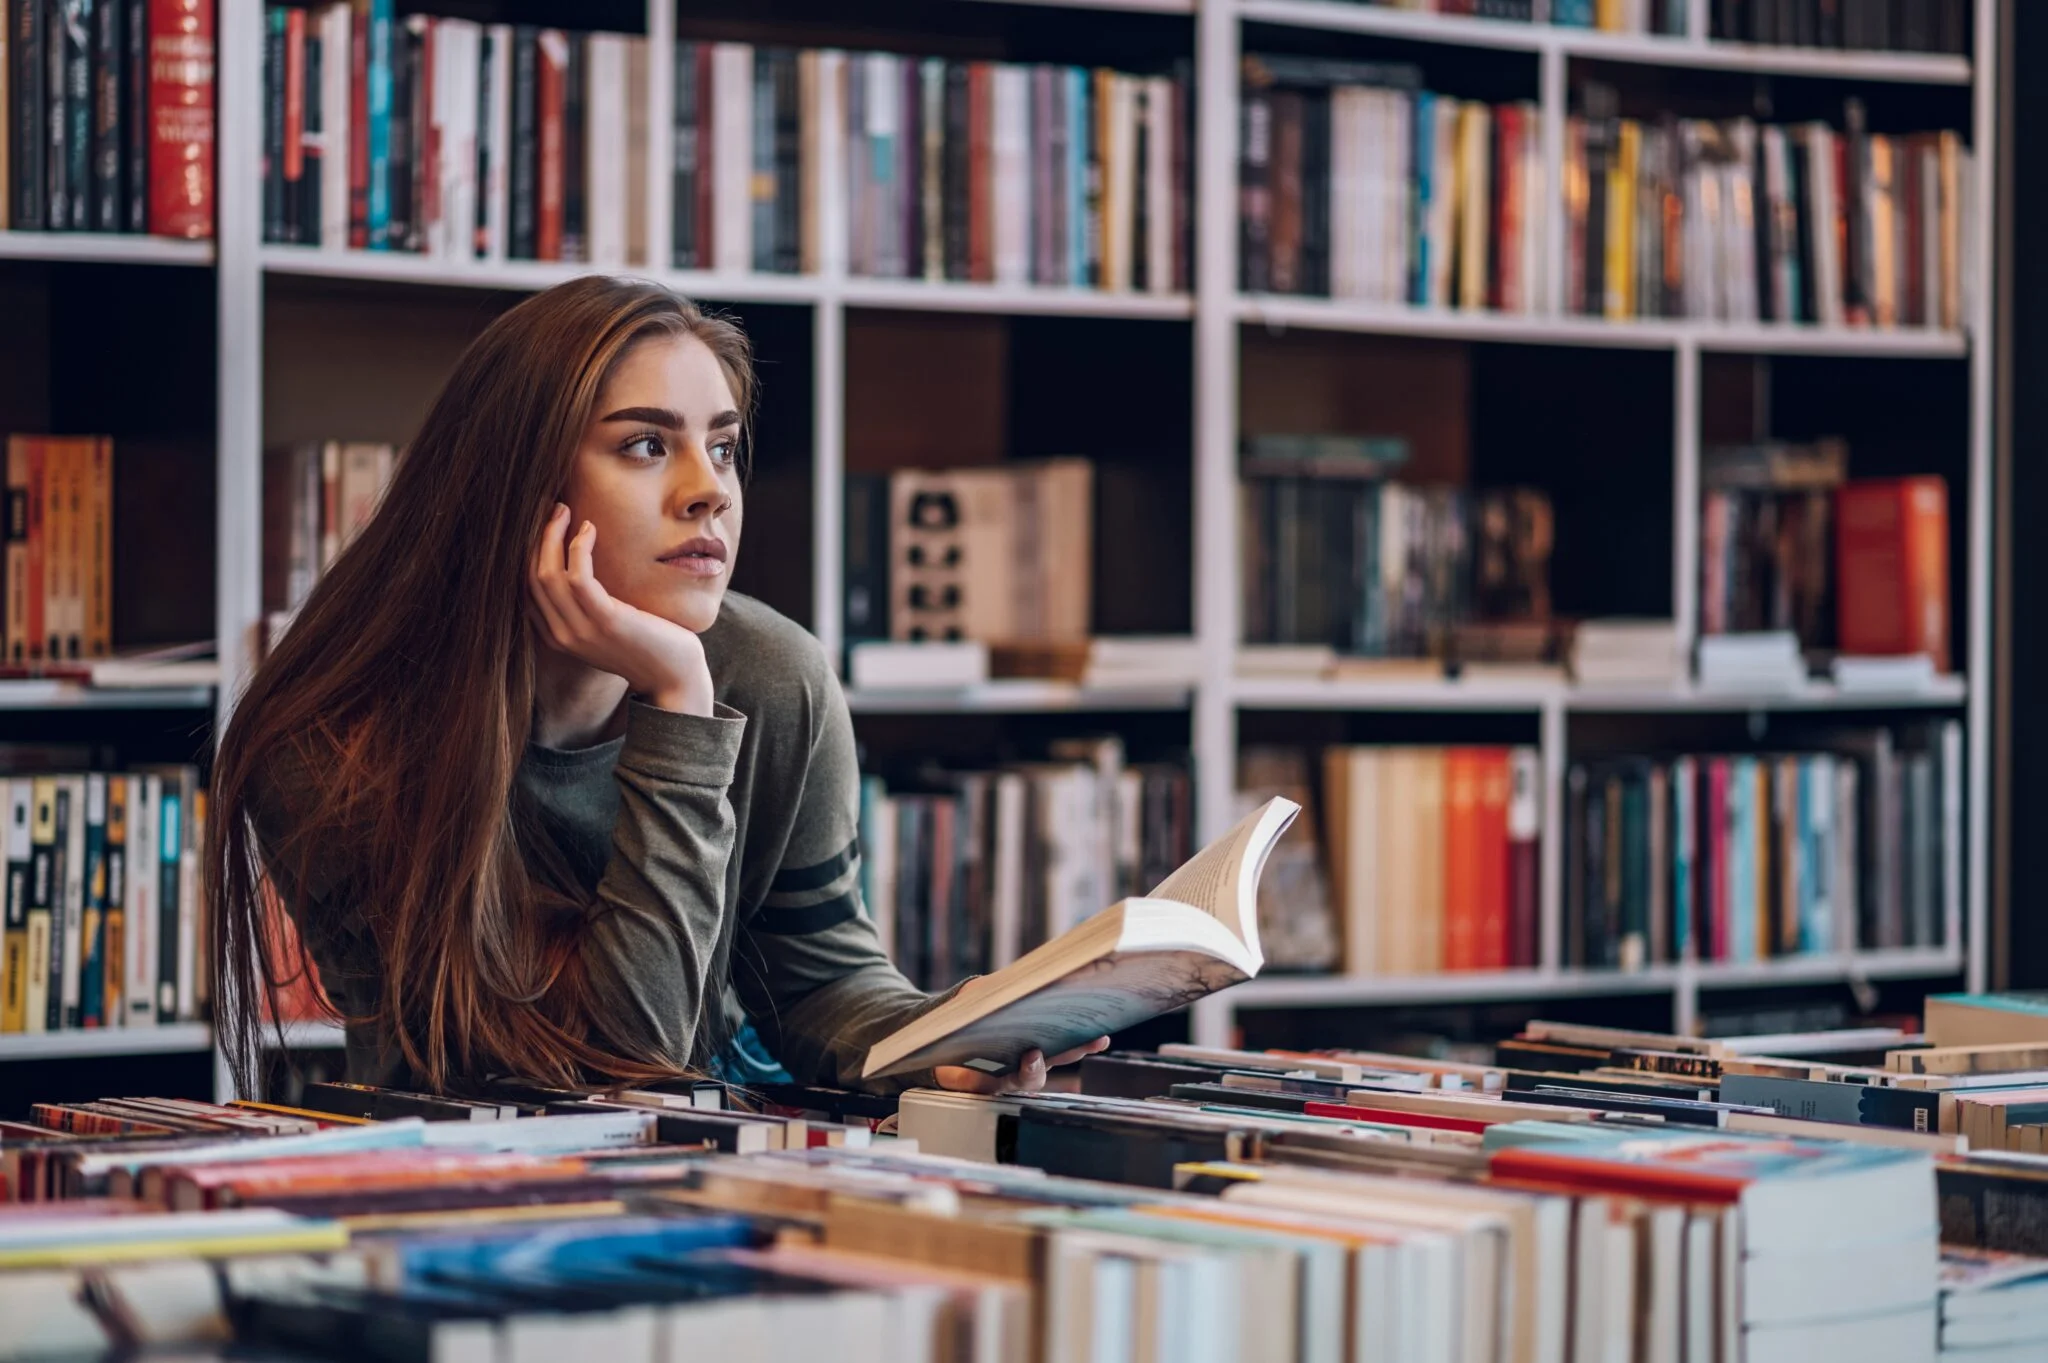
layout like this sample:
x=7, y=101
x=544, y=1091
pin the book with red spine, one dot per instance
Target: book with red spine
x=1524, y=890
x=1891, y=569
x=359, y=125
x=1492, y=945
x=981, y=188
x=551, y=86
x=295, y=125
x=181, y=64
x=1356, y=1112
x=1507, y=226
x=1461, y=859
x=1715, y=902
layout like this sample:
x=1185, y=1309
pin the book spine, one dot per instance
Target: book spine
x=688, y=145
x=788, y=163
x=312, y=139
x=181, y=64
x=61, y=989
x=763, y=181
x=956, y=183
x=14, y=955
x=170, y=839
x=105, y=72
x=276, y=78
x=138, y=953
x=523, y=232
x=575, y=145
x=92, y=933
x=42, y=904
x=113, y=905
x=79, y=24
x=27, y=112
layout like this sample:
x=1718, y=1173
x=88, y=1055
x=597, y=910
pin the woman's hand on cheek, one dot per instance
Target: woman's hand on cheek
x=661, y=661
x=1028, y=1077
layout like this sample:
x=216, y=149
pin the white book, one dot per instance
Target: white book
x=1374, y=167
x=892, y=161
x=890, y=666
x=1827, y=261
x=140, y=925
x=828, y=167
x=1951, y=832
x=732, y=156
x=334, y=126
x=1162, y=136
x=860, y=250
x=187, y=861
x=604, y=161
x=1197, y=932
x=1010, y=150
x=1006, y=900
x=638, y=229
x=68, y=922
x=1348, y=194
x=495, y=143
x=458, y=50
x=881, y=860
x=1119, y=182
x=1397, y=140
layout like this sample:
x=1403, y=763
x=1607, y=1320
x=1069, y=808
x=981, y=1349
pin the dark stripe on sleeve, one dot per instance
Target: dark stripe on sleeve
x=792, y=879
x=809, y=919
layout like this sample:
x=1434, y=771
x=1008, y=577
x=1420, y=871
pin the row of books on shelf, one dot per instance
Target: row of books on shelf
x=1355, y=182
x=1186, y=1202
x=104, y=923
x=461, y=140
x=60, y=550
x=108, y=117
x=317, y=496
x=1754, y=856
x=1870, y=25
x=1739, y=222
x=963, y=872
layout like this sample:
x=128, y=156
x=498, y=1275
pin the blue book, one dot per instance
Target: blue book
x=379, y=92
x=1078, y=134
x=761, y=216
x=1817, y=861
x=1684, y=856
x=564, y=1247
x=1425, y=189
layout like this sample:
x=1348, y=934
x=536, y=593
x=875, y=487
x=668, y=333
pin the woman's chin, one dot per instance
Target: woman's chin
x=695, y=608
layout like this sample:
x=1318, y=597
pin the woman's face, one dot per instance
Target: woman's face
x=658, y=475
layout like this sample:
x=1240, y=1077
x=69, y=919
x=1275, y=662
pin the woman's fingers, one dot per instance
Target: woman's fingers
x=960, y=1079
x=1100, y=1043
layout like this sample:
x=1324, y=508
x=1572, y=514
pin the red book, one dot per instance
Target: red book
x=552, y=86
x=1462, y=855
x=1390, y=1117
x=294, y=101
x=1891, y=567
x=426, y=174
x=1492, y=948
x=981, y=188
x=358, y=125
x=1507, y=228
x=181, y=118
x=1524, y=868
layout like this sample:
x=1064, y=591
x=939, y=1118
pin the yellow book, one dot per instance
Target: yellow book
x=114, y=956
x=1475, y=205
x=311, y=1238
x=42, y=901
x=1608, y=15
x=1621, y=221
x=280, y=1110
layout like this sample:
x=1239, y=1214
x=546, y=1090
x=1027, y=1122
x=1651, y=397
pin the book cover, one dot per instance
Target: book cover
x=28, y=112
x=14, y=948
x=113, y=906
x=109, y=207
x=1891, y=571
x=1461, y=857
x=181, y=63
x=43, y=939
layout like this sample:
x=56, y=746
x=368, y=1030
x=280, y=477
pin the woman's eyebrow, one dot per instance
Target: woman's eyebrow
x=724, y=419
x=651, y=416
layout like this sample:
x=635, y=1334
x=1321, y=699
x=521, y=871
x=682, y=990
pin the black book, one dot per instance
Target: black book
x=1315, y=193
x=107, y=160
x=1807, y=305
x=170, y=840
x=1952, y=27
x=273, y=123
x=385, y=1104
x=1117, y=1074
x=1828, y=23
x=1763, y=221
x=56, y=125
x=1520, y=1082
x=400, y=231
x=1990, y=1204
x=1088, y=136
x=867, y=557
x=685, y=230
x=1142, y=207
x=29, y=149
x=489, y=153
x=79, y=33
x=135, y=117
x=313, y=149
x=523, y=171
x=955, y=183
x=1114, y=1148
x=789, y=137
x=575, y=196
x=1600, y=134
x=1806, y=22
x=910, y=167
x=839, y=1105
x=1676, y=1111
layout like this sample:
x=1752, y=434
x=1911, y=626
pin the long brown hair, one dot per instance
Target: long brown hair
x=397, y=707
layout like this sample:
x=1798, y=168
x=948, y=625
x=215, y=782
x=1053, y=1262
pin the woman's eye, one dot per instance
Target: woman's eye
x=644, y=447
x=724, y=451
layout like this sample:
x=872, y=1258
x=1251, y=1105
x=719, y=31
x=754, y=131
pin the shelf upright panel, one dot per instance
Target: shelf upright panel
x=1554, y=760
x=238, y=272
x=1976, y=805
x=1555, y=100
x=1685, y=493
x=1217, y=37
x=661, y=133
x=828, y=476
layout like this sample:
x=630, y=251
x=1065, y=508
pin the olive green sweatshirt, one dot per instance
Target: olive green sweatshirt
x=722, y=863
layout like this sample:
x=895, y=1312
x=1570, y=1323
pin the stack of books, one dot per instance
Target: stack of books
x=901, y=167
x=1767, y=540
x=1627, y=653
x=453, y=139
x=1849, y=228
x=1357, y=183
x=1873, y=25
x=104, y=923
x=1993, y=1305
x=111, y=118
x=963, y=872
x=1749, y=856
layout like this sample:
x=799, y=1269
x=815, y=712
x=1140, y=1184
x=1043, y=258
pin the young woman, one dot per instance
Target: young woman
x=543, y=799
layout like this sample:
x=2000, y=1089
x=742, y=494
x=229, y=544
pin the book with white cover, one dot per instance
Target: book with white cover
x=1196, y=933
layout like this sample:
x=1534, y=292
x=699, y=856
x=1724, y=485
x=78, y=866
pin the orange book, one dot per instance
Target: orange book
x=201, y=1187
x=1462, y=874
x=1495, y=780
x=552, y=87
x=1891, y=567
x=18, y=523
x=99, y=549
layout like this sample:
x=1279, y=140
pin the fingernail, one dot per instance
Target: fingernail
x=561, y=510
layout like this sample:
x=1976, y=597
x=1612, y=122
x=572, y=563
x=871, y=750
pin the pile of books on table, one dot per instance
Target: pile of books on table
x=1592, y=1194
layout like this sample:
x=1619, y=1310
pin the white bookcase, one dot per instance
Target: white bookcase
x=1216, y=311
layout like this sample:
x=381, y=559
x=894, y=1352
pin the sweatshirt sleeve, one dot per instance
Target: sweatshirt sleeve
x=808, y=966
x=652, y=935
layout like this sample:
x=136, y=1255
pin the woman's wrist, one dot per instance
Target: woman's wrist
x=680, y=698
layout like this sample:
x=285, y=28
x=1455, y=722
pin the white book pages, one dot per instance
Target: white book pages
x=604, y=160
x=1163, y=136
x=1010, y=149
x=461, y=42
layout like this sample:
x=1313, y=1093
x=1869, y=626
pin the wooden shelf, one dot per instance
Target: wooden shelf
x=1274, y=693
x=1641, y=48
x=71, y=695
x=1260, y=693
x=104, y=248
x=1018, y=697
x=1331, y=314
x=100, y=1041
x=529, y=276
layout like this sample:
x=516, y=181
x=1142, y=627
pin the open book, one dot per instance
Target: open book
x=1195, y=934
